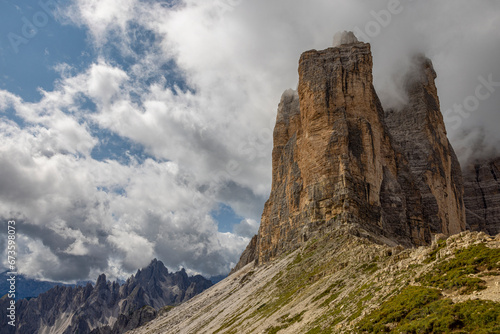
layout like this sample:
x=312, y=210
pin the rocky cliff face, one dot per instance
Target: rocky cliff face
x=419, y=133
x=83, y=309
x=338, y=158
x=482, y=196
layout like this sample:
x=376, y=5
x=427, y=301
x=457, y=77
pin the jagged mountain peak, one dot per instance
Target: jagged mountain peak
x=101, y=282
x=85, y=309
x=154, y=269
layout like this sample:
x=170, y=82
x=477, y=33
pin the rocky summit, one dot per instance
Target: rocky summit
x=339, y=157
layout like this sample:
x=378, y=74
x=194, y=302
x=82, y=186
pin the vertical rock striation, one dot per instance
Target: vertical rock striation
x=336, y=159
x=482, y=196
x=419, y=133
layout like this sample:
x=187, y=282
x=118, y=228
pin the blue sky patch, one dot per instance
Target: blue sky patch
x=226, y=218
x=32, y=44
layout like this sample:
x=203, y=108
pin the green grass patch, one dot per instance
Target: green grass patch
x=397, y=308
x=423, y=310
x=455, y=274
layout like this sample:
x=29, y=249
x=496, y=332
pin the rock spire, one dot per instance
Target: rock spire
x=338, y=158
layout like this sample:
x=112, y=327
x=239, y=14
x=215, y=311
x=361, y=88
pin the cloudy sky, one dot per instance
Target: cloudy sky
x=134, y=129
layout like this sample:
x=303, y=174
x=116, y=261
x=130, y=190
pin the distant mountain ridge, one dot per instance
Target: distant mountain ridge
x=30, y=288
x=83, y=309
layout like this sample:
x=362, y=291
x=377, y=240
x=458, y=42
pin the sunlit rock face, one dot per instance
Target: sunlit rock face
x=338, y=158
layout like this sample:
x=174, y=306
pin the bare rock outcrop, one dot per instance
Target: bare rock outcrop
x=482, y=196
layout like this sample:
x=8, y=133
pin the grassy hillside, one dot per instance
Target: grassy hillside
x=342, y=283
